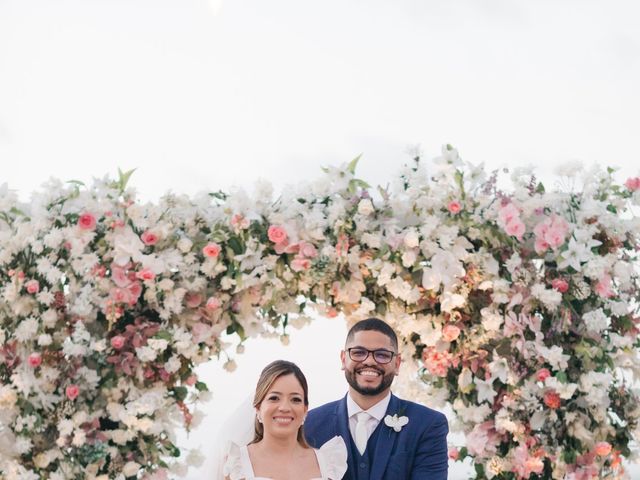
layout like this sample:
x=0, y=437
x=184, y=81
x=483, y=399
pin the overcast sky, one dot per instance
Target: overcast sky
x=202, y=94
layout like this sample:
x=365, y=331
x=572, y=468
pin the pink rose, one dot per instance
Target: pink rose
x=454, y=453
x=135, y=289
x=239, y=222
x=191, y=380
x=35, y=360
x=145, y=274
x=602, y=449
x=72, y=391
x=450, y=333
x=299, y=263
x=552, y=399
x=211, y=250
x=308, y=250
x=149, y=238
x=87, y=221
x=117, y=342
x=543, y=374
x=277, y=234
x=32, y=286
x=213, y=303
x=633, y=183
x=454, y=207
x=560, y=285
x=192, y=300
x=119, y=276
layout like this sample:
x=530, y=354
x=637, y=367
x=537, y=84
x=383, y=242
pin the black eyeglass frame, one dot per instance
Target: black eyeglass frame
x=372, y=353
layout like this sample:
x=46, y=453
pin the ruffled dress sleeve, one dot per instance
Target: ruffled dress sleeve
x=233, y=465
x=332, y=458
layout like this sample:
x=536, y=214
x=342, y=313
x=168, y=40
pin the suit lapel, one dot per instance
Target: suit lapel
x=342, y=425
x=386, y=441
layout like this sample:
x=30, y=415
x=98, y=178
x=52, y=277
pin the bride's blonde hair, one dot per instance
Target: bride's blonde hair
x=269, y=375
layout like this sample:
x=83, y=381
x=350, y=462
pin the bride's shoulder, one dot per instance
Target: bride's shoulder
x=333, y=458
x=233, y=465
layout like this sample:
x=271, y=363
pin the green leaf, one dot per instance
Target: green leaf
x=236, y=245
x=164, y=335
x=77, y=183
x=353, y=164
x=202, y=387
x=180, y=393
x=123, y=178
x=562, y=377
x=540, y=188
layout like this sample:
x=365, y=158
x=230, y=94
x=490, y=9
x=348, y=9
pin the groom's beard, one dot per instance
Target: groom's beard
x=352, y=380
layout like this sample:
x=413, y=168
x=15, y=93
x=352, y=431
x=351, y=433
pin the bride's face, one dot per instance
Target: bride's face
x=282, y=410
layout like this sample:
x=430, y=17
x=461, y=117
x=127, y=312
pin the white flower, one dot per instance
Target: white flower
x=554, y=356
x=146, y=354
x=491, y=320
x=365, y=207
x=485, y=390
x=445, y=269
x=131, y=469
x=596, y=321
x=396, y=422
x=26, y=329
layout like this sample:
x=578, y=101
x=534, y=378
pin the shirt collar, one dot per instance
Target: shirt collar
x=377, y=411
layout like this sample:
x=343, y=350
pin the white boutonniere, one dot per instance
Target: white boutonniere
x=396, y=422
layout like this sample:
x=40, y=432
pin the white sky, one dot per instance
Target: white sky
x=206, y=94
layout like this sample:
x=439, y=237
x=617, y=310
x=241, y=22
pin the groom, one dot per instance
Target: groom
x=415, y=449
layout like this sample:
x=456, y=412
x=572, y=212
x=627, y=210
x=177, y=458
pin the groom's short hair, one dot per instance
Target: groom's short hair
x=376, y=325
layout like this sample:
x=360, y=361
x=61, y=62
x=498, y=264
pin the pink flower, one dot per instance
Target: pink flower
x=149, y=238
x=560, y=285
x=603, y=287
x=201, y=332
x=277, y=234
x=454, y=207
x=192, y=300
x=117, y=342
x=508, y=213
x=213, y=303
x=525, y=464
x=436, y=362
x=72, y=391
x=211, y=250
x=450, y=333
x=552, y=400
x=550, y=233
x=35, y=360
x=307, y=250
x=454, y=453
x=482, y=440
x=602, y=449
x=191, y=380
x=32, y=286
x=239, y=222
x=299, y=263
x=119, y=276
x=87, y=221
x=120, y=295
x=145, y=274
x=135, y=289
x=633, y=183
x=515, y=228
x=543, y=374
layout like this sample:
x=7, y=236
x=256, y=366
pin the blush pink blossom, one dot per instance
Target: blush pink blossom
x=34, y=360
x=482, y=441
x=211, y=250
x=453, y=454
x=300, y=263
x=192, y=300
x=213, y=303
x=515, y=228
x=525, y=464
x=239, y=222
x=87, y=221
x=119, y=276
x=602, y=449
x=450, y=333
x=552, y=399
x=436, y=362
x=32, y=286
x=307, y=250
x=191, y=380
x=135, y=289
x=149, y=237
x=560, y=285
x=603, y=287
x=72, y=391
x=145, y=274
x=277, y=235
x=200, y=332
x=543, y=374
x=508, y=213
x=117, y=342
x=120, y=295
x=454, y=207
x=633, y=184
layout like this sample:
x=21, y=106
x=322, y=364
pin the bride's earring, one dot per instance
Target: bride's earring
x=259, y=418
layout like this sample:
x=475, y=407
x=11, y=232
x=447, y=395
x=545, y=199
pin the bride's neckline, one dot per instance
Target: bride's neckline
x=244, y=450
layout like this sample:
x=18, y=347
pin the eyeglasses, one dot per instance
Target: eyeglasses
x=359, y=354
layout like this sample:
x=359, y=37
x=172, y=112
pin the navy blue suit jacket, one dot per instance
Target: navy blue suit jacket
x=417, y=452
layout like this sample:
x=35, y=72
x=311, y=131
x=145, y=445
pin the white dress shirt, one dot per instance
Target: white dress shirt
x=376, y=414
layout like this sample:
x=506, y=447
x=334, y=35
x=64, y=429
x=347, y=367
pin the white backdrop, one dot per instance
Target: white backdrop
x=202, y=94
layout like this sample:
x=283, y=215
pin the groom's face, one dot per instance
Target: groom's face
x=369, y=377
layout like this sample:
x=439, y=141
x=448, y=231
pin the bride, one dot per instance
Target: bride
x=279, y=450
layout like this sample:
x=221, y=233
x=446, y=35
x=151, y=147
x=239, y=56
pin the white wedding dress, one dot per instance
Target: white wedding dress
x=332, y=459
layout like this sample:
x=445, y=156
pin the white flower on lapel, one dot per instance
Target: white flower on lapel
x=396, y=422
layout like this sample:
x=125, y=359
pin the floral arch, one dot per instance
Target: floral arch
x=517, y=306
